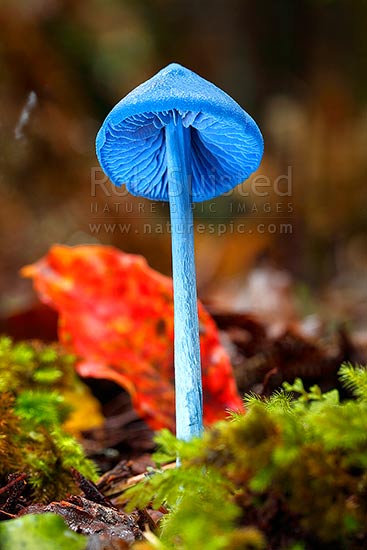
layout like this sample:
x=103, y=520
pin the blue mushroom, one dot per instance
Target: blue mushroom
x=179, y=138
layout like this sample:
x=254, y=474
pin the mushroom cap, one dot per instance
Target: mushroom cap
x=226, y=143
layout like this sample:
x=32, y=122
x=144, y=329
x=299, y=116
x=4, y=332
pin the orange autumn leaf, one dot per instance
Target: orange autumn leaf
x=116, y=315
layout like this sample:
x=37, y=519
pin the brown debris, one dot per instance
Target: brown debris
x=123, y=436
x=10, y=495
x=89, y=489
x=111, y=482
x=263, y=360
x=90, y=518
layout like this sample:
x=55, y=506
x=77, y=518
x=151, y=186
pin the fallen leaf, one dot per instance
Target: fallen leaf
x=86, y=410
x=116, y=314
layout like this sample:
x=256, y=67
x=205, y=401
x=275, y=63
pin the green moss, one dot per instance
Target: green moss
x=33, y=379
x=33, y=366
x=290, y=473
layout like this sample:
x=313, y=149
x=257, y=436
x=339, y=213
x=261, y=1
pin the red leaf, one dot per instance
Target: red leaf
x=116, y=314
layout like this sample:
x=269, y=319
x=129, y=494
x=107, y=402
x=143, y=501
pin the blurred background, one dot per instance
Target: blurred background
x=299, y=68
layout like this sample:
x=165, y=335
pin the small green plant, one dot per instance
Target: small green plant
x=33, y=380
x=34, y=366
x=44, y=532
x=289, y=474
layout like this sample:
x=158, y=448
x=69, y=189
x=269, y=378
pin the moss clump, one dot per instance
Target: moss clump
x=33, y=409
x=291, y=473
x=34, y=366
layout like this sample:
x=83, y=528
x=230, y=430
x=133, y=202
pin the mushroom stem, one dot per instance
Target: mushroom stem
x=189, y=402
